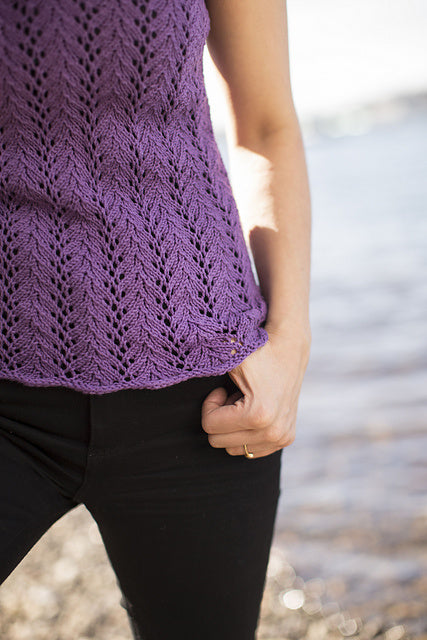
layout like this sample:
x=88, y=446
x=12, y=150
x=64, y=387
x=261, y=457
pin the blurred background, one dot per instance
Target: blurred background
x=349, y=556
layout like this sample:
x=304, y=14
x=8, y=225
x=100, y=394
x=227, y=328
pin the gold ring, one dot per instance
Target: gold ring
x=248, y=454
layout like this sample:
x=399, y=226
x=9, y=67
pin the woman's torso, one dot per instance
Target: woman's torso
x=123, y=258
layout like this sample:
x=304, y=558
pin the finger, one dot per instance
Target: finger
x=258, y=437
x=257, y=453
x=219, y=417
x=216, y=398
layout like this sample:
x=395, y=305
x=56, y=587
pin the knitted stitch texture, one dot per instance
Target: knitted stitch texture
x=123, y=260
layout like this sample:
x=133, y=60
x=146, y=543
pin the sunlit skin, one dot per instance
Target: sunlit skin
x=248, y=44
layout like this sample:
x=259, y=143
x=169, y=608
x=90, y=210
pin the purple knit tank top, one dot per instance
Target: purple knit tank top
x=123, y=260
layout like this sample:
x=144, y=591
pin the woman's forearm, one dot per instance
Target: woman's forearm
x=270, y=183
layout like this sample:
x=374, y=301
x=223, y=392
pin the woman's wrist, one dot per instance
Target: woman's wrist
x=295, y=327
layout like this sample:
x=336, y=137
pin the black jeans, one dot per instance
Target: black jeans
x=186, y=526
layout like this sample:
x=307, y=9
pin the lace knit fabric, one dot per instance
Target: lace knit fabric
x=123, y=260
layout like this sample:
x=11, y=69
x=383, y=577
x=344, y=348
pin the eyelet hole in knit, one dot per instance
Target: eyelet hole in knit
x=235, y=349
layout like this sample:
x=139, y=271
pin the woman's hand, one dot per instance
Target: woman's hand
x=264, y=415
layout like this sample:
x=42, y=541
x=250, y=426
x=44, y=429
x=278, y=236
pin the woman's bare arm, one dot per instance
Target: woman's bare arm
x=248, y=43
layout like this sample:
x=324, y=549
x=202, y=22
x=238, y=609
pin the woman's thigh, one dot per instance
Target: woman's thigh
x=29, y=505
x=42, y=458
x=186, y=526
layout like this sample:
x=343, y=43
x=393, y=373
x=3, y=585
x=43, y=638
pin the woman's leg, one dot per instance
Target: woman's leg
x=187, y=527
x=43, y=449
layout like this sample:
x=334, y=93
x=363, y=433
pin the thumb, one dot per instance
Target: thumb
x=216, y=398
x=213, y=401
